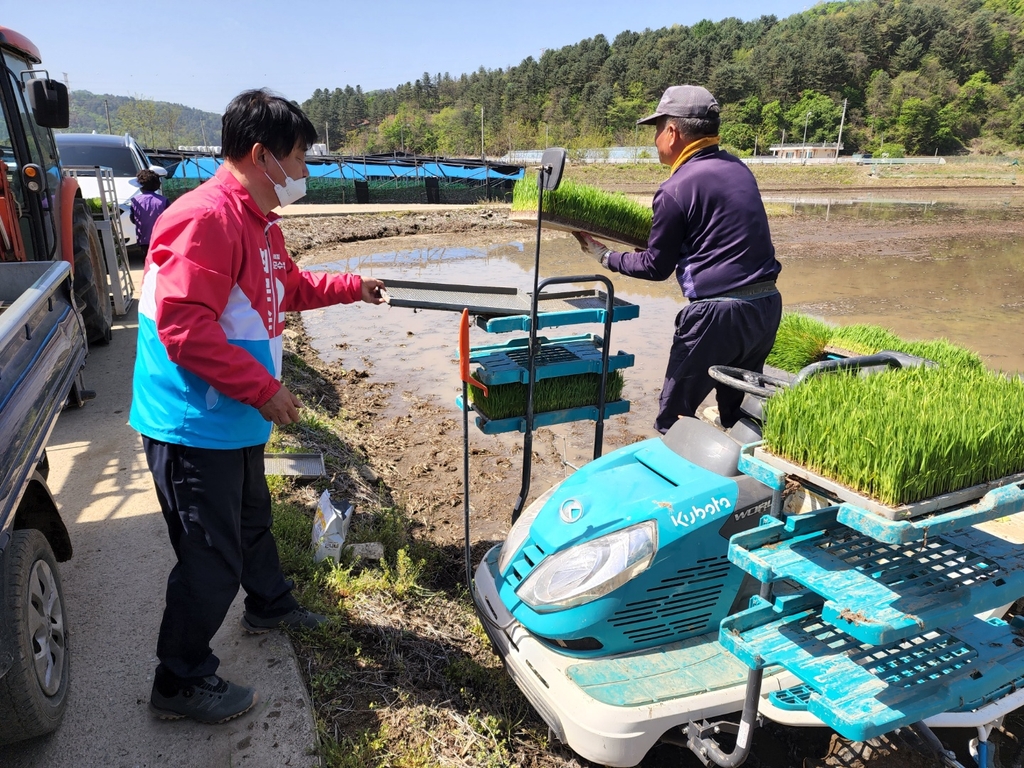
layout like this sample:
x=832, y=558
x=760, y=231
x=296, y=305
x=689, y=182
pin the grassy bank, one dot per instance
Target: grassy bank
x=403, y=676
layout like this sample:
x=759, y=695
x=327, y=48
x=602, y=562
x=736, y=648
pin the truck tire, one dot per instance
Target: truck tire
x=91, y=289
x=34, y=691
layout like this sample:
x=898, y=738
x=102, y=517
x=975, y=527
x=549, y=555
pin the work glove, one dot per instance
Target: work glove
x=595, y=248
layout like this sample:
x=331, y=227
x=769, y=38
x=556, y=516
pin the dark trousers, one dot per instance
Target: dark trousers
x=737, y=333
x=217, y=508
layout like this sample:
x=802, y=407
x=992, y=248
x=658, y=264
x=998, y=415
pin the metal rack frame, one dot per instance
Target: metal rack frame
x=115, y=253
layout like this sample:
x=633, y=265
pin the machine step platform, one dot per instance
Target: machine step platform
x=508, y=363
x=861, y=690
x=879, y=592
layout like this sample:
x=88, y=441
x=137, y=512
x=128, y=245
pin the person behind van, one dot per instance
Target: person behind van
x=146, y=207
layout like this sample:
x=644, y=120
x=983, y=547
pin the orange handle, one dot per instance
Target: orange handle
x=464, y=354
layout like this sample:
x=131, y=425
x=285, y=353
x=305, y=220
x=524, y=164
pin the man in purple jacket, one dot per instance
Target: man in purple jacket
x=711, y=230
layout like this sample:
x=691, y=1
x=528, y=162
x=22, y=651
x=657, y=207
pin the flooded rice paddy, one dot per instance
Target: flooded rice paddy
x=969, y=289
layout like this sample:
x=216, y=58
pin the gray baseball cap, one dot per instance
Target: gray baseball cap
x=684, y=101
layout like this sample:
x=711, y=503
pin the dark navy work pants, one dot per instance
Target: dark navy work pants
x=217, y=507
x=734, y=332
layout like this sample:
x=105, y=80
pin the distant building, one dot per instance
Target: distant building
x=804, y=151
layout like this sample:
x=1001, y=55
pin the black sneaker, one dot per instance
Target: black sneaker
x=213, y=700
x=300, y=618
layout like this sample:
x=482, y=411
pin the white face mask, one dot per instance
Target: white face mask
x=293, y=189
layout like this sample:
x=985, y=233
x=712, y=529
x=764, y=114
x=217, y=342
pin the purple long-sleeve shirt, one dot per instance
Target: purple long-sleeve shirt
x=146, y=207
x=709, y=227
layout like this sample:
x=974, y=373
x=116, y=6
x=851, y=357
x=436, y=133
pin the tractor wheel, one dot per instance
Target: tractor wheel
x=91, y=289
x=34, y=691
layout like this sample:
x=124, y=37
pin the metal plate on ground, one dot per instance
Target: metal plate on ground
x=307, y=466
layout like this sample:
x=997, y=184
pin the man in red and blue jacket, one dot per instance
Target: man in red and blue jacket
x=217, y=283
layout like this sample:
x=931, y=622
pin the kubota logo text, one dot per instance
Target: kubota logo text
x=697, y=514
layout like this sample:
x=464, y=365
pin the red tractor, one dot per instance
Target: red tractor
x=42, y=214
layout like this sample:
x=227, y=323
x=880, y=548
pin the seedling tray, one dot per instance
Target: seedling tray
x=563, y=308
x=550, y=221
x=863, y=691
x=568, y=356
x=877, y=592
x=500, y=310
x=546, y=418
x=773, y=470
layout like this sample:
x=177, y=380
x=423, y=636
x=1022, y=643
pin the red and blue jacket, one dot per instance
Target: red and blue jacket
x=216, y=284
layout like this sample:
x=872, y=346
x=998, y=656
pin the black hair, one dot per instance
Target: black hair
x=148, y=180
x=258, y=116
x=697, y=127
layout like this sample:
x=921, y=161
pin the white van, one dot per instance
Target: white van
x=122, y=154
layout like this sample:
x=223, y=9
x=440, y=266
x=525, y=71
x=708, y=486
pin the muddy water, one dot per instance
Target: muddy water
x=971, y=292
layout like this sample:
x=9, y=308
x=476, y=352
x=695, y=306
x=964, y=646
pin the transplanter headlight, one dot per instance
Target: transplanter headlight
x=588, y=571
x=521, y=529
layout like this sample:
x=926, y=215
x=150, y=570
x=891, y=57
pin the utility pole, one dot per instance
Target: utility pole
x=482, y=155
x=839, y=141
x=806, y=119
x=327, y=136
x=107, y=110
x=203, y=126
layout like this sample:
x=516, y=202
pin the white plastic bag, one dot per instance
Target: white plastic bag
x=330, y=527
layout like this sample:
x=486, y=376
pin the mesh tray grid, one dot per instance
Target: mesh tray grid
x=548, y=356
x=921, y=568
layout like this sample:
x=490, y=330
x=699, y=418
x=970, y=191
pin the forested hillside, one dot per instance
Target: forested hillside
x=152, y=123
x=920, y=76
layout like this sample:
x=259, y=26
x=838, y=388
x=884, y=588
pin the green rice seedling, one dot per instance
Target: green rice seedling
x=588, y=208
x=867, y=339
x=800, y=341
x=903, y=435
x=864, y=339
x=504, y=401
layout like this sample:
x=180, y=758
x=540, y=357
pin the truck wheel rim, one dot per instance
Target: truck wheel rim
x=46, y=627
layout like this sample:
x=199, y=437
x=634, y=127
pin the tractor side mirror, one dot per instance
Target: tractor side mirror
x=552, y=163
x=49, y=101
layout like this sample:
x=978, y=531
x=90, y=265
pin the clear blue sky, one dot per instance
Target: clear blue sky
x=201, y=53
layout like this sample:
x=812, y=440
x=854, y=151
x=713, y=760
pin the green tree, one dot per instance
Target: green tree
x=916, y=125
x=816, y=113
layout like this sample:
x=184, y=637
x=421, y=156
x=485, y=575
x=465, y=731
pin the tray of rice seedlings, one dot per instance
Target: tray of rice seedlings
x=555, y=401
x=578, y=207
x=900, y=443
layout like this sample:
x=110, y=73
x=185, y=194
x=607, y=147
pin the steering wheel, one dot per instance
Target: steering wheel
x=757, y=384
